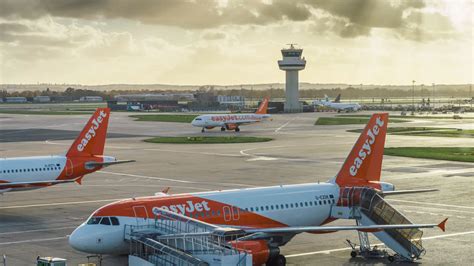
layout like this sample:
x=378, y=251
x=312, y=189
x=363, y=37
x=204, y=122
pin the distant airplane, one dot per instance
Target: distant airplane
x=337, y=105
x=232, y=121
x=266, y=218
x=83, y=157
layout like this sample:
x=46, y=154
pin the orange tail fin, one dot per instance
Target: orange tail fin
x=262, y=109
x=364, y=163
x=91, y=140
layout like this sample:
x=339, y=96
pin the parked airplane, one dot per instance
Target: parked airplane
x=232, y=121
x=269, y=217
x=83, y=157
x=337, y=105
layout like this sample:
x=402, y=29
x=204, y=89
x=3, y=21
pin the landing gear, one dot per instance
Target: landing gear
x=237, y=129
x=222, y=128
x=367, y=252
x=202, y=130
x=279, y=260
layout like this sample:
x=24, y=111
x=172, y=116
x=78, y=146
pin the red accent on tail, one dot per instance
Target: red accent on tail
x=91, y=140
x=442, y=225
x=363, y=166
x=262, y=109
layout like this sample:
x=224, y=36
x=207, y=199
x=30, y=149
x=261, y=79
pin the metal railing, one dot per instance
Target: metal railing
x=172, y=239
x=372, y=204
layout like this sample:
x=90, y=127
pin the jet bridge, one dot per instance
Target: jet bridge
x=368, y=207
x=174, y=239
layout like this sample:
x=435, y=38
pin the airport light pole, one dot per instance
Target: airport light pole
x=433, y=100
x=413, y=96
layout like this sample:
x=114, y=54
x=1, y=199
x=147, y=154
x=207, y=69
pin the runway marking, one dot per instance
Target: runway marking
x=57, y=204
x=174, y=180
x=378, y=244
x=149, y=185
x=434, y=208
x=284, y=125
x=32, y=240
x=38, y=230
x=435, y=204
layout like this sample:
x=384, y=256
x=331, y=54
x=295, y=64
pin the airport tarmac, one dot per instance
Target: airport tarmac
x=36, y=223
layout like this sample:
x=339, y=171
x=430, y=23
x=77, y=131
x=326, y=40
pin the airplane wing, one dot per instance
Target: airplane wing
x=411, y=191
x=363, y=228
x=37, y=183
x=95, y=164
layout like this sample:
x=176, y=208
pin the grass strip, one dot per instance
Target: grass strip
x=207, y=140
x=165, y=118
x=426, y=131
x=435, y=153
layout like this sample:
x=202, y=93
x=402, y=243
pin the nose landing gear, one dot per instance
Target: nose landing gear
x=279, y=260
x=222, y=128
x=202, y=130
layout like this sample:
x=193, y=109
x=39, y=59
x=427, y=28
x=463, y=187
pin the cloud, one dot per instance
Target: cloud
x=210, y=13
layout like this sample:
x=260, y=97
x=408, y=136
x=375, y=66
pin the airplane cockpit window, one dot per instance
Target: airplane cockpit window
x=198, y=119
x=105, y=221
x=94, y=220
x=114, y=221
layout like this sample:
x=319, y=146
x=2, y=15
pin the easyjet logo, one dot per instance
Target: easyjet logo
x=189, y=207
x=96, y=122
x=234, y=117
x=366, y=149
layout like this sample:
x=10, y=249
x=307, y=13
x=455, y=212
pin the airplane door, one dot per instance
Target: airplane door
x=69, y=167
x=140, y=213
x=227, y=214
x=235, y=213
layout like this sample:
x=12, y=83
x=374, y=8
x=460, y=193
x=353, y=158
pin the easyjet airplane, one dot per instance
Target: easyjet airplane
x=83, y=157
x=269, y=216
x=232, y=121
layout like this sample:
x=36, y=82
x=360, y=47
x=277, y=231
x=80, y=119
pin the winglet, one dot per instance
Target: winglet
x=79, y=180
x=442, y=225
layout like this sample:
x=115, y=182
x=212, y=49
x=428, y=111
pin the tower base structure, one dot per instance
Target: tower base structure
x=292, y=103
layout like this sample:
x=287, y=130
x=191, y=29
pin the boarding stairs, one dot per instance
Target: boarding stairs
x=174, y=239
x=368, y=207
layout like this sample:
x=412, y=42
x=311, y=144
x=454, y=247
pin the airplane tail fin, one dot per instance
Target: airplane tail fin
x=338, y=98
x=91, y=140
x=363, y=166
x=262, y=109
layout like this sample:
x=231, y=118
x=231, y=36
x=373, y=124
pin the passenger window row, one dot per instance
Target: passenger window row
x=290, y=205
x=204, y=214
x=104, y=220
x=44, y=169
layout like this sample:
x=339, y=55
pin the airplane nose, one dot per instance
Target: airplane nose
x=78, y=239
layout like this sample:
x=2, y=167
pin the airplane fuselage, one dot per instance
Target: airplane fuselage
x=221, y=120
x=263, y=207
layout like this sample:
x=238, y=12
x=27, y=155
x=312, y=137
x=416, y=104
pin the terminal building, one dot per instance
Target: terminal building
x=291, y=63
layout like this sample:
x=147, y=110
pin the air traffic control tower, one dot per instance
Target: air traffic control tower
x=292, y=63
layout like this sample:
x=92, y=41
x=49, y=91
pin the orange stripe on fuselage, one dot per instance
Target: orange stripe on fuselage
x=192, y=206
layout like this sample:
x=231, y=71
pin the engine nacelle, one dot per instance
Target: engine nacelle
x=231, y=126
x=384, y=186
x=259, y=249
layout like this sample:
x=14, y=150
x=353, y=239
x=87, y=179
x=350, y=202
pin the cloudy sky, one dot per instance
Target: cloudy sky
x=235, y=41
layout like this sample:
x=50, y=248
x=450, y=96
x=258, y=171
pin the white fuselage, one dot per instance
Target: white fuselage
x=221, y=120
x=264, y=207
x=31, y=169
x=339, y=106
